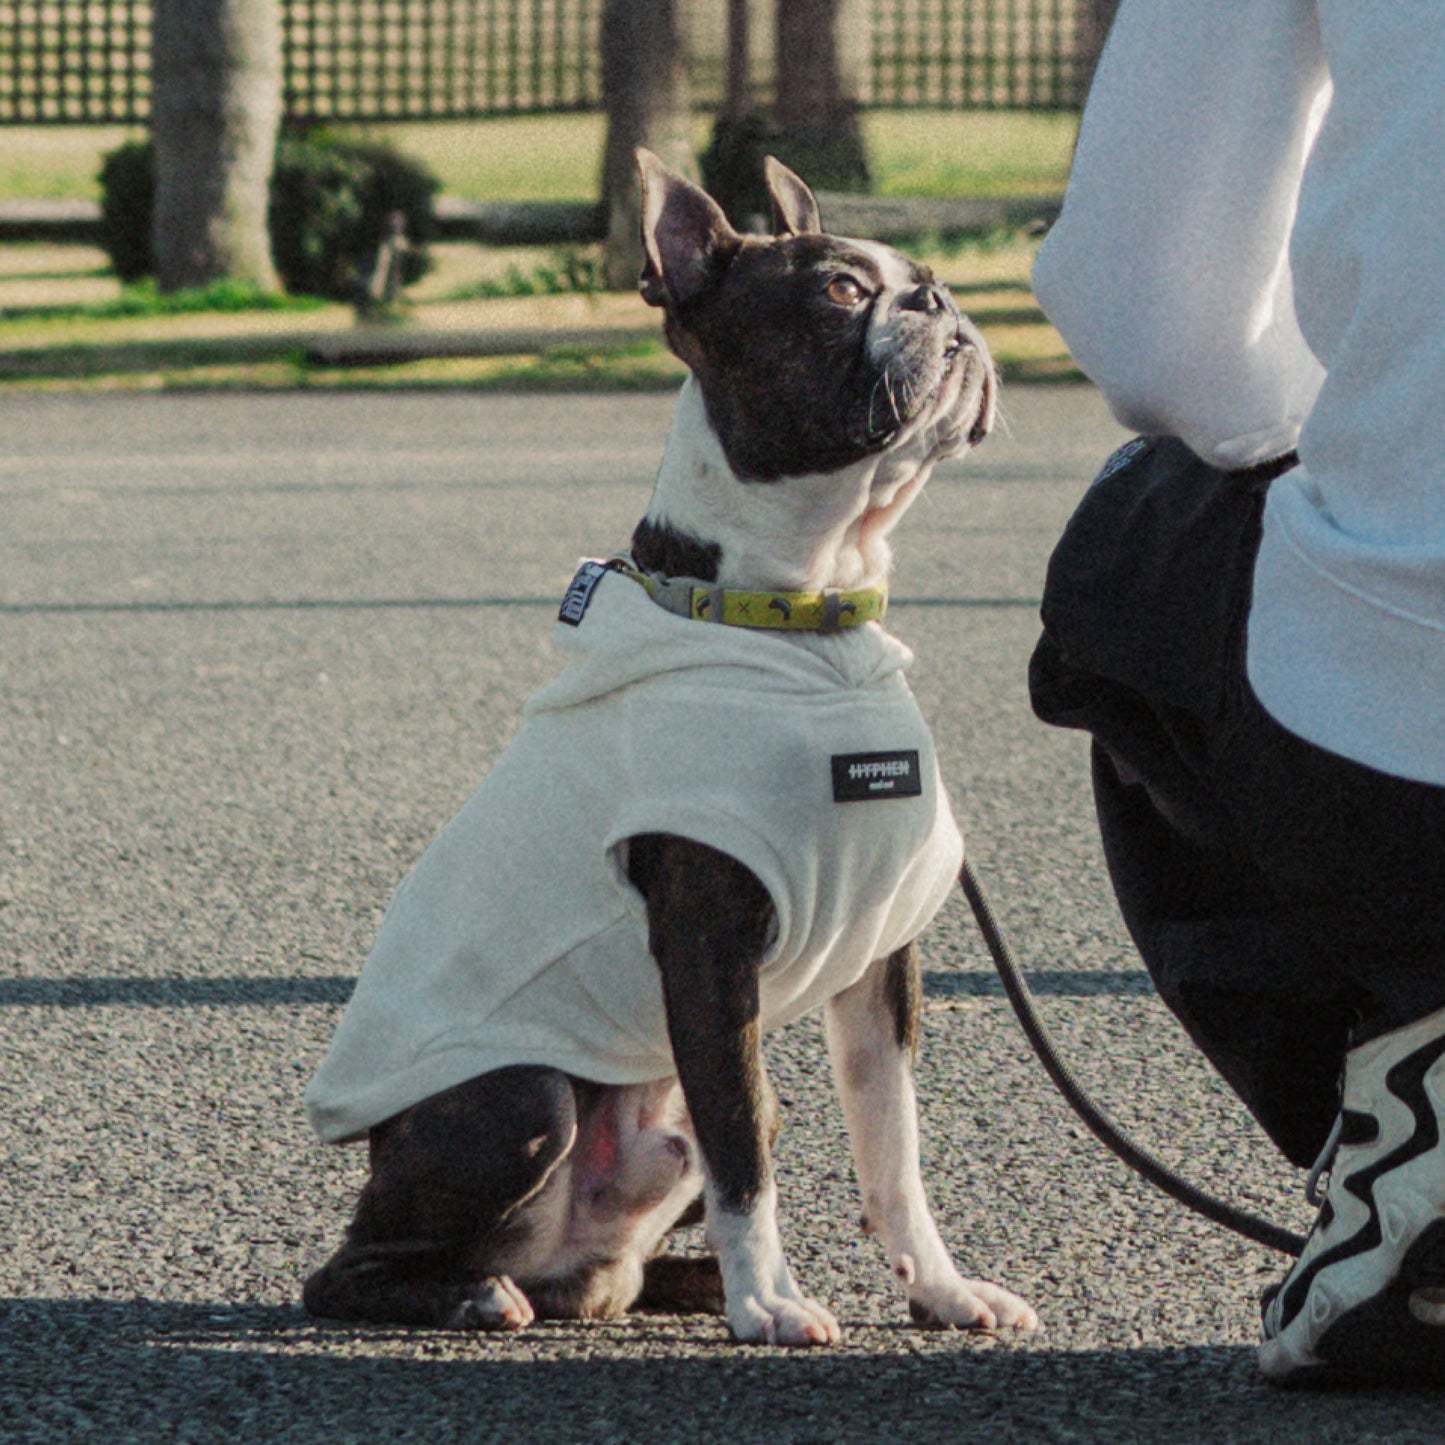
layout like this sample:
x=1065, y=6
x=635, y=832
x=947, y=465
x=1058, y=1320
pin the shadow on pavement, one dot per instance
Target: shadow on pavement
x=186, y=1372
x=181, y=991
x=172, y=991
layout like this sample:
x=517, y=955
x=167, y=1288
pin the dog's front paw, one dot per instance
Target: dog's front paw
x=763, y=1304
x=495, y=1304
x=968, y=1304
x=771, y=1319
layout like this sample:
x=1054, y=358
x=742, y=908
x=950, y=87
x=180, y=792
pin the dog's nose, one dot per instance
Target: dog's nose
x=927, y=298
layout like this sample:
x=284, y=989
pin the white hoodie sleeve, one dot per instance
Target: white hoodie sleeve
x=1168, y=272
x=1252, y=173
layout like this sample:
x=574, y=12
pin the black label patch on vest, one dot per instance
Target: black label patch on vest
x=579, y=593
x=857, y=777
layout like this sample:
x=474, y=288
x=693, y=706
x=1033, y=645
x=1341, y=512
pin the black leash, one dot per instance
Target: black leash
x=1103, y=1128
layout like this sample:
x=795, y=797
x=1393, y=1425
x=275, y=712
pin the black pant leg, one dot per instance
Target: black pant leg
x=1207, y=925
x=1286, y=901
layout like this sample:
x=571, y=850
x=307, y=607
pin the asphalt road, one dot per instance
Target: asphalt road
x=255, y=651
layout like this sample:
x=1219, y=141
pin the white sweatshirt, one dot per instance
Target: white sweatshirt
x=1248, y=259
x=518, y=939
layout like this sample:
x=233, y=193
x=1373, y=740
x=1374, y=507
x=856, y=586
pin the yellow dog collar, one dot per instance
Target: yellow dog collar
x=825, y=611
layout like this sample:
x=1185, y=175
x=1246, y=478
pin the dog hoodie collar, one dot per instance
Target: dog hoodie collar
x=830, y=610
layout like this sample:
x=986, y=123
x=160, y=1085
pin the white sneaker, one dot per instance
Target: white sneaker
x=1365, y=1301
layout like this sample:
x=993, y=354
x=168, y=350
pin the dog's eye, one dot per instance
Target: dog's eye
x=844, y=291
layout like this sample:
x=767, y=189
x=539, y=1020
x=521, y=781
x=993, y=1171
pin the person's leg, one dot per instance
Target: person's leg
x=1364, y=854
x=1144, y=609
x=1308, y=960
x=1217, y=945
x=1289, y=903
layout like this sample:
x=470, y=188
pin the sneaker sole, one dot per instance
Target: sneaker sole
x=1382, y=1340
x=1355, y=1323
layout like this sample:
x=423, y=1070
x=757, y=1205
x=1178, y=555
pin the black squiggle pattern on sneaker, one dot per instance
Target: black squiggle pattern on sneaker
x=1406, y=1081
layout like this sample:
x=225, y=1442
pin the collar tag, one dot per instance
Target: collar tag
x=859, y=777
x=579, y=592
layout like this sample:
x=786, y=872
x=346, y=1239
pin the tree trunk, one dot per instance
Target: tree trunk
x=822, y=50
x=738, y=96
x=644, y=88
x=1095, y=18
x=215, y=113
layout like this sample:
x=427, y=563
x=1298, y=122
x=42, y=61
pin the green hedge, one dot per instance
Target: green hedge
x=127, y=202
x=331, y=202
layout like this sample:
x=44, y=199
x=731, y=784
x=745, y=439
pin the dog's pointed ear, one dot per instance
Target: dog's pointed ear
x=795, y=207
x=686, y=239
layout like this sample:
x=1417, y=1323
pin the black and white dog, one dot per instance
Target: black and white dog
x=725, y=812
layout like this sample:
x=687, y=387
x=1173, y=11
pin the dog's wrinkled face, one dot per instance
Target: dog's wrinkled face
x=814, y=352
x=811, y=351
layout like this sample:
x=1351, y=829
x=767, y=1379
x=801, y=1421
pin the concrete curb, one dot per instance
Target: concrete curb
x=378, y=347
x=70, y=221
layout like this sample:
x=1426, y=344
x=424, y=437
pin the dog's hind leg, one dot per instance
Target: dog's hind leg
x=447, y=1176
x=682, y=1285
x=709, y=920
x=872, y=1032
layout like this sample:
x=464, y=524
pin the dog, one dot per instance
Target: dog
x=724, y=813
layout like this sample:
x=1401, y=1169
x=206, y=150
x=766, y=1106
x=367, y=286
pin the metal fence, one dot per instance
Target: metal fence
x=88, y=61
x=1007, y=54
x=428, y=59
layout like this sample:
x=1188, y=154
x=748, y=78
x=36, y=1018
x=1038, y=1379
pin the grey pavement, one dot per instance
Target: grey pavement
x=256, y=650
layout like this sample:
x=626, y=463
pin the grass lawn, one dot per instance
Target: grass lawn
x=971, y=153
x=535, y=158
x=55, y=162
x=66, y=322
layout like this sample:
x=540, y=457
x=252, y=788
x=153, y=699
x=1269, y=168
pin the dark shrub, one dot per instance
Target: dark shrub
x=331, y=204
x=127, y=202
x=732, y=165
